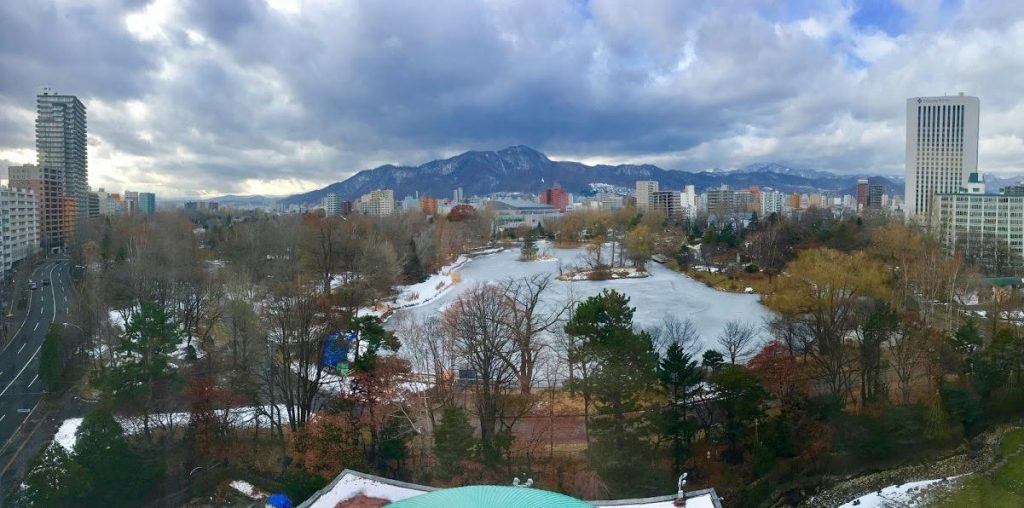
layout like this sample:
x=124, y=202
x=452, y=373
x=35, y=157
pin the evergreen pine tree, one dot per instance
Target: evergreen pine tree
x=623, y=371
x=680, y=377
x=413, y=268
x=118, y=475
x=529, y=250
x=453, y=441
x=54, y=478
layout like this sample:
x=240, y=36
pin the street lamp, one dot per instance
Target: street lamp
x=74, y=325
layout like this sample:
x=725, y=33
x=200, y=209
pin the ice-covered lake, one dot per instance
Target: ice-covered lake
x=664, y=293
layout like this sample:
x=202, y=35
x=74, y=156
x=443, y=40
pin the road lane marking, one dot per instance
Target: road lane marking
x=36, y=327
x=2, y=417
x=16, y=376
x=25, y=441
x=33, y=380
x=22, y=347
x=27, y=312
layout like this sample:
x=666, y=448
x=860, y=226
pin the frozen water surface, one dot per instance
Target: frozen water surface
x=664, y=293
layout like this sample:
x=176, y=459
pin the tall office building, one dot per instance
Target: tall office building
x=942, y=149
x=63, y=164
x=644, y=190
x=147, y=203
x=862, y=192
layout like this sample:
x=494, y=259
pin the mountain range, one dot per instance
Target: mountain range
x=523, y=169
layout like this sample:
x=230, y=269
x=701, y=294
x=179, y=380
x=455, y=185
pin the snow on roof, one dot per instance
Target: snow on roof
x=352, y=483
x=706, y=498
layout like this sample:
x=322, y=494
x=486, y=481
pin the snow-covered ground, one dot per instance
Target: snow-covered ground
x=247, y=489
x=243, y=416
x=903, y=496
x=664, y=293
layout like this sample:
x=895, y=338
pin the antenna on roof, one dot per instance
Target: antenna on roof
x=681, y=494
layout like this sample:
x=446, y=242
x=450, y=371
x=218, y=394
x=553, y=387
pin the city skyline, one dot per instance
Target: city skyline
x=274, y=98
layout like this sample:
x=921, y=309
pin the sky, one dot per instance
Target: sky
x=201, y=98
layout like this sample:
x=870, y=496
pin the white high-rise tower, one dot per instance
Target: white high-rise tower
x=942, y=149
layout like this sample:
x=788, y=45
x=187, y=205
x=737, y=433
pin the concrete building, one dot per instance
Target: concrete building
x=975, y=222
x=19, y=226
x=428, y=205
x=377, y=203
x=862, y=192
x=61, y=149
x=874, y=196
x=457, y=196
x=131, y=199
x=556, y=197
x=942, y=149
x=644, y=189
x=332, y=204
x=720, y=201
x=772, y=201
x=669, y=203
x=93, y=206
x=608, y=201
x=208, y=206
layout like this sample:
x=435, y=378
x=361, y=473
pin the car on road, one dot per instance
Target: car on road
x=32, y=285
x=46, y=282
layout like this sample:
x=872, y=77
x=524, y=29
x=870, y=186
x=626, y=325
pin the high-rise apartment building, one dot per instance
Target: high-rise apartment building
x=377, y=203
x=19, y=229
x=862, y=192
x=332, y=204
x=669, y=203
x=772, y=201
x=875, y=196
x=644, y=190
x=61, y=149
x=942, y=149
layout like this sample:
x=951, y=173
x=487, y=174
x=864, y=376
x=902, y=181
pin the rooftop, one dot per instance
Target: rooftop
x=351, y=484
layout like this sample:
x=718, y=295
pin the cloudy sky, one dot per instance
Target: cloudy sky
x=278, y=96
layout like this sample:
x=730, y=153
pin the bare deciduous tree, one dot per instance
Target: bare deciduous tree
x=529, y=321
x=738, y=340
x=478, y=323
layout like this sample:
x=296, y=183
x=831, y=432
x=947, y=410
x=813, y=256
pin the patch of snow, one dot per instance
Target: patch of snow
x=903, y=495
x=247, y=489
x=241, y=417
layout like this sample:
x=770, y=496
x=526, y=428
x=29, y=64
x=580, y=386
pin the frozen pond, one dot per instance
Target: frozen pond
x=664, y=293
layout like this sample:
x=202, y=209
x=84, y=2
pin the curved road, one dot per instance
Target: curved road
x=20, y=388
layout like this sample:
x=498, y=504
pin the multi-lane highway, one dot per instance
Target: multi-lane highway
x=20, y=387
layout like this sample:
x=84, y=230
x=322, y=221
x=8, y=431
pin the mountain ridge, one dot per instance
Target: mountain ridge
x=522, y=169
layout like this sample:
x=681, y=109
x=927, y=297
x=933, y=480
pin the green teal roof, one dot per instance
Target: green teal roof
x=485, y=496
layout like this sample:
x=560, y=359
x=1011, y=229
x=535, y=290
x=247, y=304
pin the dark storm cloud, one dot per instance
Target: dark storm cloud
x=252, y=96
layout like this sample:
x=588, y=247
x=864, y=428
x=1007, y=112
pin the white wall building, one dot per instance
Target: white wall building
x=772, y=201
x=19, y=226
x=942, y=149
x=644, y=190
x=377, y=203
x=332, y=204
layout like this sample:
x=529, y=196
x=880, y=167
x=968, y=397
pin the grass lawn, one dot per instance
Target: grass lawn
x=1004, y=487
